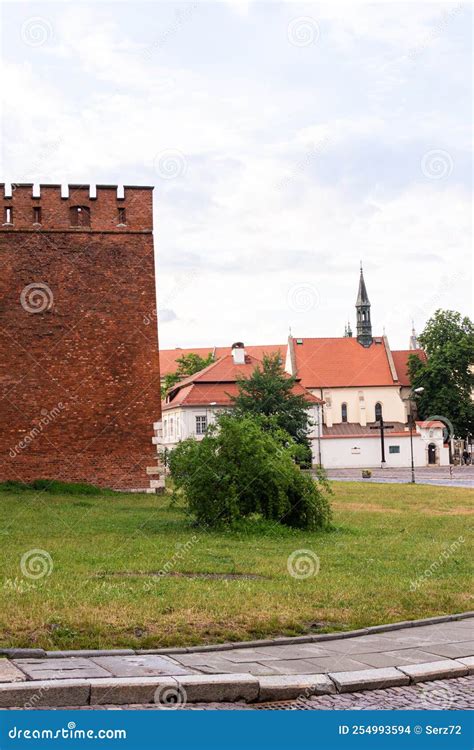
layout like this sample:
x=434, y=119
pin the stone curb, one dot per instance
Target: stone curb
x=218, y=688
x=435, y=670
x=368, y=679
x=28, y=653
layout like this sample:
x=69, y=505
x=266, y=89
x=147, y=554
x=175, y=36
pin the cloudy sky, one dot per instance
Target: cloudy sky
x=286, y=142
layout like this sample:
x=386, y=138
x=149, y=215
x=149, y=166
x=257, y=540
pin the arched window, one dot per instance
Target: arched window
x=344, y=412
x=378, y=411
x=80, y=216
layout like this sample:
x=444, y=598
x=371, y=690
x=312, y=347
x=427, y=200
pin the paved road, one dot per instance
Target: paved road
x=443, y=695
x=461, y=476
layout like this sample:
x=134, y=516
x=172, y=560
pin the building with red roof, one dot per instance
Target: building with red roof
x=191, y=405
x=351, y=383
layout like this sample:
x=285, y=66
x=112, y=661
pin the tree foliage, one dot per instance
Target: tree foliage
x=268, y=392
x=188, y=364
x=239, y=469
x=447, y=377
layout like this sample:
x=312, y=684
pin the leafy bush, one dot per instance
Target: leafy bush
x=239, y=469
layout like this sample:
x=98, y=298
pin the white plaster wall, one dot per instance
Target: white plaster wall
x=361, y=404
x=338, y=452
x=183, y=422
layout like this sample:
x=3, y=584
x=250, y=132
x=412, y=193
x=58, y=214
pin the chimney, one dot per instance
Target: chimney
x=238, y=353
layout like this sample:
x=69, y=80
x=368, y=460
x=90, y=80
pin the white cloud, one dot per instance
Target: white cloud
x=257, y=210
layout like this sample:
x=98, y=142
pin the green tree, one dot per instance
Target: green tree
x=188, y=364
x=240, y=469
x=268, y=393
x=446, y=376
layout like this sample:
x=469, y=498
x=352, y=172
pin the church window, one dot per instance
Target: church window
x=80, y=216
x=121, y=215
x=36, y=215
x=378, y=411
x=344, y=412
x=8, y=215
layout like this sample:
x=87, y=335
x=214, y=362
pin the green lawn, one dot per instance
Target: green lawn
x=103, y=547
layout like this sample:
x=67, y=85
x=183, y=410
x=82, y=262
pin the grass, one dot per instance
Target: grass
x=103, y=546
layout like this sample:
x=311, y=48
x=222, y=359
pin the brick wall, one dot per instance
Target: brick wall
x=79, y=372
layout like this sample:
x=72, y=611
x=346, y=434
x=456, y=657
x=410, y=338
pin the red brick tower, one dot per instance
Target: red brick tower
x=79, y=370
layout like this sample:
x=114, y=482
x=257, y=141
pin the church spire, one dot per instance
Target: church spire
x=364, y=325
x=413, y=338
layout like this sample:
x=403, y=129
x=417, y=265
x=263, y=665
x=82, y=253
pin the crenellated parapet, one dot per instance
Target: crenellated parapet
x=76, y=208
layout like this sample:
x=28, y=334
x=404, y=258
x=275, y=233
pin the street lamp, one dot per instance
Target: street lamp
x=417, y=391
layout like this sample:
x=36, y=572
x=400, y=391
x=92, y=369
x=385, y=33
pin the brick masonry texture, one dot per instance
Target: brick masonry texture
x=79, y=380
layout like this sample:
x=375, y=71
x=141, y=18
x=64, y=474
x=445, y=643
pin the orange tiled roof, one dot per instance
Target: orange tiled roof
x=400, y=359
x=342, y=362
x=217, y=383
x=168, y=357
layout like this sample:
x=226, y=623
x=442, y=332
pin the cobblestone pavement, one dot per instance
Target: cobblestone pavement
x=460, y=476
x=443, y=695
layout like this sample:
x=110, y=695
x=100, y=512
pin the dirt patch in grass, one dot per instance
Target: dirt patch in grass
x=367, y=507
x=176, y=574
x=371, y=508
